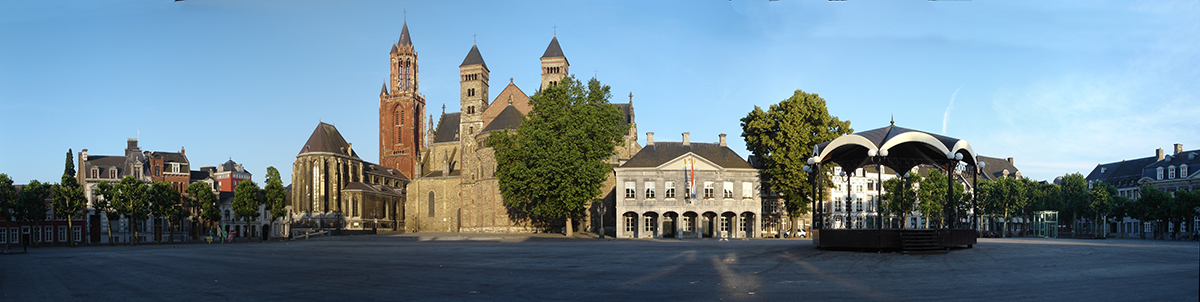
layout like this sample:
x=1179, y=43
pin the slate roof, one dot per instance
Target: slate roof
x=106, y=160
x=198, y=175
x=326, y=138
x=378, y=189
x=509, y=118
x=405, y=39
x=381, y=170
x=553, y=50
x=626, y=111
x=171, y=157
x=993, y=168
x=473, y=58
x=662, y=152
x=1190, y=158
x=1122, y=174
x=447, y=130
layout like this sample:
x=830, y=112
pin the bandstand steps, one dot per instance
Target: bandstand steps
x=921, y=242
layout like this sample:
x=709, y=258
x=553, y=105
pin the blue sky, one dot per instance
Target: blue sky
x=1061, y=86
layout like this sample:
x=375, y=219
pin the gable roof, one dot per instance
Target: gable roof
x=511, y=93
x=662, y=152
x=509, y=118
x=326, y=138
x=473, y=58
x=994, y=167
x=170, y=157
x=447, y=129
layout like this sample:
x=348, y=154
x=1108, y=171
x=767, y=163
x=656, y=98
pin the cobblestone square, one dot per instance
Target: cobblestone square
x=454, y=267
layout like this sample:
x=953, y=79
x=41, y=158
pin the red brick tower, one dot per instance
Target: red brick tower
x=401, y=108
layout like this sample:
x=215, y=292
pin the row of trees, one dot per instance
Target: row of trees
x=135, y=200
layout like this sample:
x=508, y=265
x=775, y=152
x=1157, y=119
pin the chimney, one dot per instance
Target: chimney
x=182, y=151
x=649, y=139
x=1158, y=153
x=1010, y=161
x=1178, y=149
x=83, y=155
x=131, y=143
x=722, y=143
x=685, y=139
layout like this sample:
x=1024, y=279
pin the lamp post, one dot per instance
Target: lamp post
x=977, y=223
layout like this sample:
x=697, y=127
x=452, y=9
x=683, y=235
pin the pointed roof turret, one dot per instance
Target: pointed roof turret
x=385, y=91
x=473, y=58
x=553, y=51
x=326, y=138
x=404, y=38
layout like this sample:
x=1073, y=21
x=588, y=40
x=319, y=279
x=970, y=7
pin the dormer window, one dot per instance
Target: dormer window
x=1183, y=172
x=1171, y=172
x=1160, y=173
x=95, y=172
x=174, y=167
x=112, y=173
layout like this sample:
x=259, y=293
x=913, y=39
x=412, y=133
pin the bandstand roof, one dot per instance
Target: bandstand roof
x=894, y=147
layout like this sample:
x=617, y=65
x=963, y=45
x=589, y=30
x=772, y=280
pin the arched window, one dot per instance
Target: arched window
x=431, y=206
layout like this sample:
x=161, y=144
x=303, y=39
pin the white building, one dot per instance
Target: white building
x=687, y=190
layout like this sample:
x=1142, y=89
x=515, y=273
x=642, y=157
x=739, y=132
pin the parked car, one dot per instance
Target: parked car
x=799, y=233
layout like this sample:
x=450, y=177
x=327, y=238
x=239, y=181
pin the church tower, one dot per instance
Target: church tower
x=401, y=107
x=554, y=64
x=473, y=91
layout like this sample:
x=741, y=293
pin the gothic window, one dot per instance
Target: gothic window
x=431, y=206
x=316, y=189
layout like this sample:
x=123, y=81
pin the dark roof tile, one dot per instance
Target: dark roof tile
x=662, y=152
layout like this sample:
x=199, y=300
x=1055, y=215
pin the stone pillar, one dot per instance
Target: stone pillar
x=736, y=230
x=758, y=225
x=620, y=223
x=658, y=229
x=699, y=226
x=679, y=226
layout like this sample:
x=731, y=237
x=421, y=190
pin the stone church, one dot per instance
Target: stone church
x=453, y=186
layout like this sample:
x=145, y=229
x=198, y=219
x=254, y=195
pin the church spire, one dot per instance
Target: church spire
x=404, y=38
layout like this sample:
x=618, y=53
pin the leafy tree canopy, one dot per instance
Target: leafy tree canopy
x=782, y=139
x=553, y=165
x=275, y=194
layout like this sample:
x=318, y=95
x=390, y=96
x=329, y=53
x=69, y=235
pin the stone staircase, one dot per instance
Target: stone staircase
x=922, y=242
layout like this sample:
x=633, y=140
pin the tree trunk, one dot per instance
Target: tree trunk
x=108, y=226
x=570, y=230
x=794, y=225
x=1007, y=233
x=70, y=234
x=170, y=232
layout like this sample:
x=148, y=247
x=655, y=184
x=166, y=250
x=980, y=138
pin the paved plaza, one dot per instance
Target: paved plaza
x=455, y=267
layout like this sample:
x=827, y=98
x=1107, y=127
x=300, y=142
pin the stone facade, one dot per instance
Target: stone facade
x=455, y=188
x=332, y=188
x=687, y=190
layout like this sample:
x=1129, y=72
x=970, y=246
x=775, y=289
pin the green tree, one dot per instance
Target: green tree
x=164, y=202
x=106, y=193
x=246, y=199
x=553, y=165
x=8, y=204
x=1076, y=198
x=782, y=139
x=69, y=201
x=31, y=202
x=129, y=198
x=202, y=203
x=1155, y=207
x=1102, y=205
x=931, y=196
x=1186, y=208
x=275, y=194
x=899, y=198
